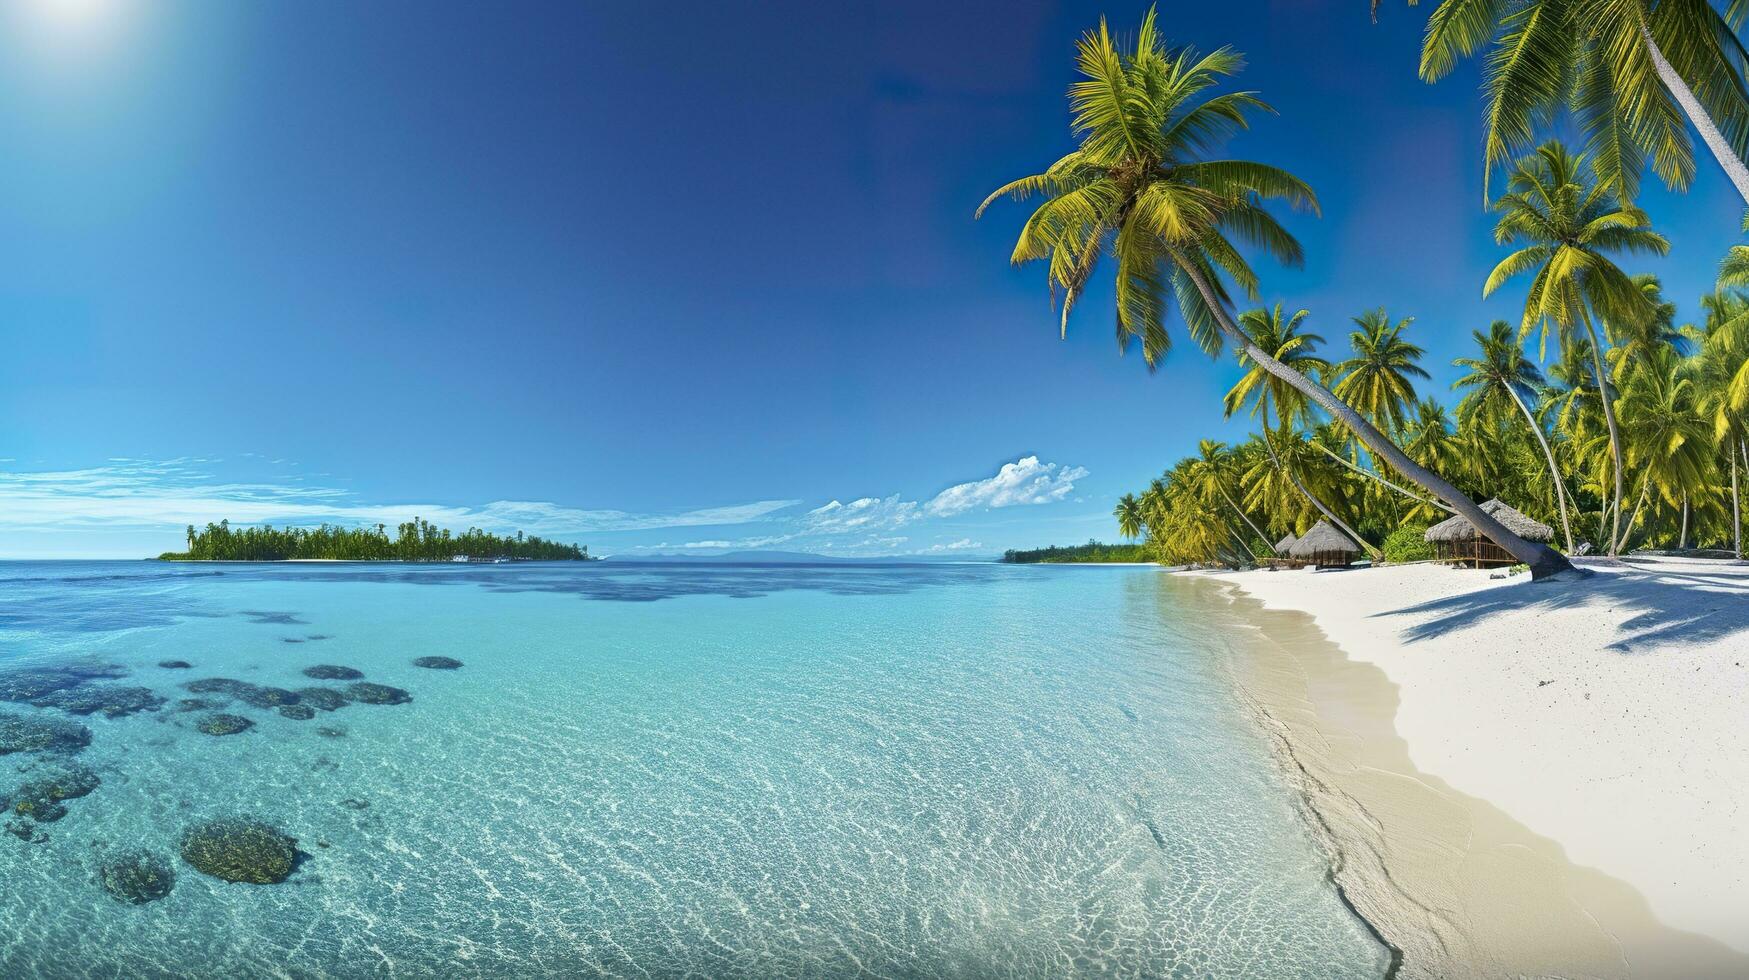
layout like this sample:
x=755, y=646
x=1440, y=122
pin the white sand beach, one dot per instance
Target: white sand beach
x=1601, y=721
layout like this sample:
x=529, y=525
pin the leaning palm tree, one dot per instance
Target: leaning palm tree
x=1501, y=375
x=1568, y=226
x=1628, y=70
x=1140, y=188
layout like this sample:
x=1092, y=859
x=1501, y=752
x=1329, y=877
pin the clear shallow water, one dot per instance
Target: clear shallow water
x=665, y=770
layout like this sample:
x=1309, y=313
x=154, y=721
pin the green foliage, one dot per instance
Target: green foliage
x=1092, y=551
x=1594, y=61
x=415, y=540
x=1140, y=188
x=1408, y=544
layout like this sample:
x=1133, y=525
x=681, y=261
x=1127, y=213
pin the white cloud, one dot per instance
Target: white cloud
x=143, y=494
x=1024, y=481
x=161, y=496
x=861, y=515
x=963, y=544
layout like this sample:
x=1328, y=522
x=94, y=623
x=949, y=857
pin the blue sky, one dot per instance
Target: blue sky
x=650, y=279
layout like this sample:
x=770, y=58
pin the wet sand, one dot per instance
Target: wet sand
x=1455, y=885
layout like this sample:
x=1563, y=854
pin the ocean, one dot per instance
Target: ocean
x=648, y=770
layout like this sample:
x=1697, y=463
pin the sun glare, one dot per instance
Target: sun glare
x=66, y=27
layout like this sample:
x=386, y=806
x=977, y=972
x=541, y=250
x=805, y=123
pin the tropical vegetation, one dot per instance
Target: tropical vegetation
x=1093, y=552
x=1620, y=428
x=414, y=540
x=1140, y=187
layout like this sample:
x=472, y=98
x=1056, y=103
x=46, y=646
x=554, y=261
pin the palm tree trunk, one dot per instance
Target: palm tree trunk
x=1543, y=560
x=1554, y=471
x=1243, y=516
x=1645, y=491
x=1374, y=476
x=1603, y=396
x=1329, y=514
x=1698, y=116
x=1682, y=540
x=1736, y=513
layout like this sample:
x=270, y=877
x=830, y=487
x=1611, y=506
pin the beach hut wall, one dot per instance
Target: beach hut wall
x=1457, y=540
x=1325, y=547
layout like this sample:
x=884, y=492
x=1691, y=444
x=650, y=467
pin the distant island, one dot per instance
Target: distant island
x=415, y=540
x=1093, y=552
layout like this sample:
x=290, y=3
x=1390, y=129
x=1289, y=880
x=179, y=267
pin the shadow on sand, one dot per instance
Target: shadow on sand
x=1690, y=603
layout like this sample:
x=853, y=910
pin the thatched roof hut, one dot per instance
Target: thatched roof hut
x=1285, y=543
x=1324, y=546
x=1456, y=539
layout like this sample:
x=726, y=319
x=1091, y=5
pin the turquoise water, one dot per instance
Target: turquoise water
x=670, y=770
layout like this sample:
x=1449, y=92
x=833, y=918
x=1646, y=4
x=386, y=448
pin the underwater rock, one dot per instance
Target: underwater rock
x=216, y=685
x=297, y=712
x=26, y=831
x=19, y=734
x=240, y=850
x=437, y=663
x=32, y=683
x=250, y=694
x=136, y=877
x=41, y=799
x=273, y=618
x=267, y=697
x=323, y=698
x=175, y=664
x=365, y=692
x=332, y=672
x=223, y=724
x=112, y=701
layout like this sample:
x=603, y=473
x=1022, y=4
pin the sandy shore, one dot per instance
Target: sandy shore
x=1521, y=779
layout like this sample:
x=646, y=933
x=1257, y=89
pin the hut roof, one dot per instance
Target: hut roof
x=1322, y=539
x=1459, y=528
x=1284, y=544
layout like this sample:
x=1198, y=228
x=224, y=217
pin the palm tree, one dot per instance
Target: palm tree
x=1732, y=315
x=1668, y=436
x=1129, y=516
x=1638, y=340
x=1568, y=227
x=1722, y=362
x=1138, y=187
x=1628, y=70
x=1502, y=375
x=1376, y=380
x=1270, y=394
x=1212, y=472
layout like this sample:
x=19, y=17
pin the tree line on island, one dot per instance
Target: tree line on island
x=1634, y=430
x=414, y=540
x=1093, y=552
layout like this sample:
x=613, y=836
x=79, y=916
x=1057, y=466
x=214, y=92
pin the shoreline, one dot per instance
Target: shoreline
x=1446, y=878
